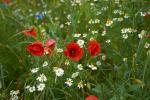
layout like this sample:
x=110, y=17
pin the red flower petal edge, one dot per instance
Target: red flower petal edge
x=91, y=97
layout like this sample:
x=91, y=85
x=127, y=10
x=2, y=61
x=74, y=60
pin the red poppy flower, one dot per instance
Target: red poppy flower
x=30, y=32
x=91, y=97
x=36, y=49
x=49, y=46
x=94, y=47
x=74, y=51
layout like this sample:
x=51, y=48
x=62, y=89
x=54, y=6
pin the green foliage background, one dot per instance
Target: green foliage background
x=129, y=81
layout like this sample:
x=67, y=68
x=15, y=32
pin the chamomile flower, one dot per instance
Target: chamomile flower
x=125, y=36
x=103, y=57
x=59, y=72
x=120, y=19
x=32, y=89
x=61, y=25
x=59, y=50
x=80, y=85
x=67, y=62
x=108, y=41
x=94, y=32
x=74, y=75
x=42, y=78
x=14, y=95
x=125, y=59
x=104, y=33
x=40, y=87
x=92, y=67
x=109, y=22
x=98, y=63
x=97, y=20
x=34, y=70
x=80, y=67
x=124, y=30
x=80, y=42
x=13, y=92
x=68, y=23
x=84, y=35
x=142, y=34
x=147, y=45
x=126, y=16
x=77, y=35
x=45, y=64
x=69, y=82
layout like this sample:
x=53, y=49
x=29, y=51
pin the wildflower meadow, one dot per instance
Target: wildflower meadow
x=74, y=50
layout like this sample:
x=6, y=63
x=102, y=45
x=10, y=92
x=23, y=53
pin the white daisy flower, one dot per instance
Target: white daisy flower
x=32, y=89
x=40, y=87
x=109, y=22
x=68, y=23
x=125, y=36
x=97, y=20
x=27, y=87
x=42, y=78
x=104, y=33
x=14, y=97
x=94, y=32
x=69, y=82
x=62, y=26
x=12, y=92
x=124, y=30
x=34, y=70
x=59, y=50
x=92, y=67
x=120, y=19
x=80, y=85
x=98, y=63
x=125, y=59
x=80, y=67
x=74, y=75
x=108, y=41
x=67, y=62
x=77, y=35
x=142, y=34
x=59, y=72
x=147, y=45
x=45, y=64
x=80, y=42
x=103, y=57
x=84, y=35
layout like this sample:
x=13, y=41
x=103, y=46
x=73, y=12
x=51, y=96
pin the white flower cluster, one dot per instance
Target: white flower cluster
x=96, y=21
x=118, y=12
x=125, y=32
x=14, y=94
x=40, y=87
x=142, y=34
